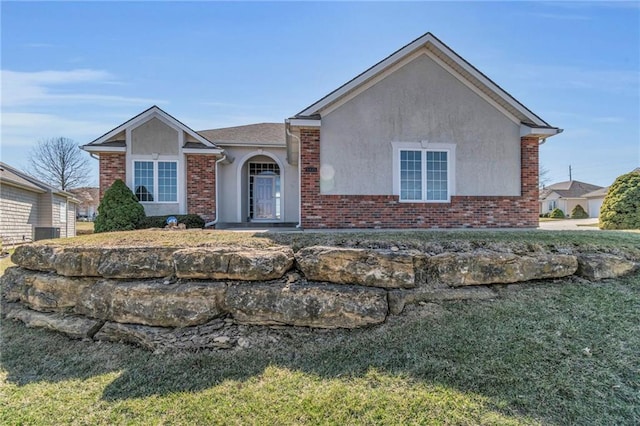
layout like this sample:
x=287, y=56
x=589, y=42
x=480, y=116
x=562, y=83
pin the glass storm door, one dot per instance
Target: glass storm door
x=263, y=197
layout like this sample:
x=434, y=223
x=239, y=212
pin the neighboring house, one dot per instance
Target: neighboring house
x=89, y=200
x=32, y=210
x=595, y=200
x=421, y=139
x=567, y=195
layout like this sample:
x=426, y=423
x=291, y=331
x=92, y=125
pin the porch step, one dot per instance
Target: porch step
x=256, y=225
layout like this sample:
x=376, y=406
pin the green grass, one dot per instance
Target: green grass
x=410, y=239
x=5, y=262
x=520, y=360
x=84, y=228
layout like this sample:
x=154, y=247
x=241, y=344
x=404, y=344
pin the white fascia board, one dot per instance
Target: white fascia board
x=313, y=109
x=100, y=148
x=152, y=112
x=304, y=122
x=202, y=151
x=484, y=80
x=541, y=132
x=21, y=186
x=184, y=128
x=407, y=50
x=250, y=144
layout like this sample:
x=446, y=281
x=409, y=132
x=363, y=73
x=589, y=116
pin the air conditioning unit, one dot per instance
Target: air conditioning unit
x=45, y=233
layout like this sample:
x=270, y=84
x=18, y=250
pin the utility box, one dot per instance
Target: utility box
x=46, y=233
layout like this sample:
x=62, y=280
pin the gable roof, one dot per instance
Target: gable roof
x=87, y=194
x=103, y=142
x=569, y=189
x=258, y=134
x=12, y=176
x=449, y=57
x=602, y=192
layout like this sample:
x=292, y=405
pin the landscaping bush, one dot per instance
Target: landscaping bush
x=578, y=213
x=621, y=206
x=557, y=214
x=119, y=210
x=191, y=221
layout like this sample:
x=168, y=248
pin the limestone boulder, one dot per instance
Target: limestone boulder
x=309, y=305
x=139, y=335
x=398, y=299
x=76, y=262
x=153, y=302
x=43, y=291
x=132, y=263
x=37, y=257
x=600, y=266
x=74, y=326
x=478, y=268
x=375, y=268
x=233, y=263
x=115, y=262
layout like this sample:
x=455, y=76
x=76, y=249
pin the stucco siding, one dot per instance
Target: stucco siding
x=419, y=102
x=154, y=136
x=233, y=184
x=161, y=209
x=18, y=214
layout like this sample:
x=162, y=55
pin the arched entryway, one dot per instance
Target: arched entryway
x=261, y=183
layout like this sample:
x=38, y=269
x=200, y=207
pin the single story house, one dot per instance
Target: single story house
x=567, y=195
x=422, y=139
x=32, y=210
x=595, y=200
x=89, y=200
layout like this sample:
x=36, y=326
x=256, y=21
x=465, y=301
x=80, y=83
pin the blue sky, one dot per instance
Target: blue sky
x=78, y=69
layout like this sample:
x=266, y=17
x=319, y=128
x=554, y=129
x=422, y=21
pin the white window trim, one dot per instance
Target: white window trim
x=155, y=178
x=425, y=146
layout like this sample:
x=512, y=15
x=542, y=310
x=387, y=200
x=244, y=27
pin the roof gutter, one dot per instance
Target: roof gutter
x=287, y=125
x=215, y=221
x=541, y=133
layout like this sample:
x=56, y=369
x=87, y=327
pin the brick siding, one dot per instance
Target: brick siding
x=201, y=186
x=112, y=166
x=385, y=211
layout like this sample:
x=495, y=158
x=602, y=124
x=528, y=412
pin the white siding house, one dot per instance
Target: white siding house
x=31, y=209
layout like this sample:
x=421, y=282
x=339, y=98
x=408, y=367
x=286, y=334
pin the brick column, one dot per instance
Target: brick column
x=201, y=185
x=529, y=150
x=309, y=174
x=112, y=166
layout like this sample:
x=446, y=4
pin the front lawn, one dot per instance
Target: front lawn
x=547, y=353
x=556, y=352
x=410, y=239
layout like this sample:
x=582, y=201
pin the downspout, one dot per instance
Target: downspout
x=286, y=128
x=213, y=223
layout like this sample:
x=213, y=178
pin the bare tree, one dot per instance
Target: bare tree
x=60, y=163
x=543, y=176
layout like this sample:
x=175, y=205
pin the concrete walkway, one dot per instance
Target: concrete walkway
x=570, y=225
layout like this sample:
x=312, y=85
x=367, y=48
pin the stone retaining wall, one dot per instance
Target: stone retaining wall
x=137, y=294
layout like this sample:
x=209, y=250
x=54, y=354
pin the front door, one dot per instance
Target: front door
x=264, y=197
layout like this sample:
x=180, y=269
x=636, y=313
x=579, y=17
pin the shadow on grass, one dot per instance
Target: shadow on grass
x=563, y=353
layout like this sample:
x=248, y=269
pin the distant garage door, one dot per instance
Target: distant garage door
x=594, y=206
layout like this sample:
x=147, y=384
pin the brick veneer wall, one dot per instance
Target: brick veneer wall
x=385, y=211
x=112, y=166
x=201, y=186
